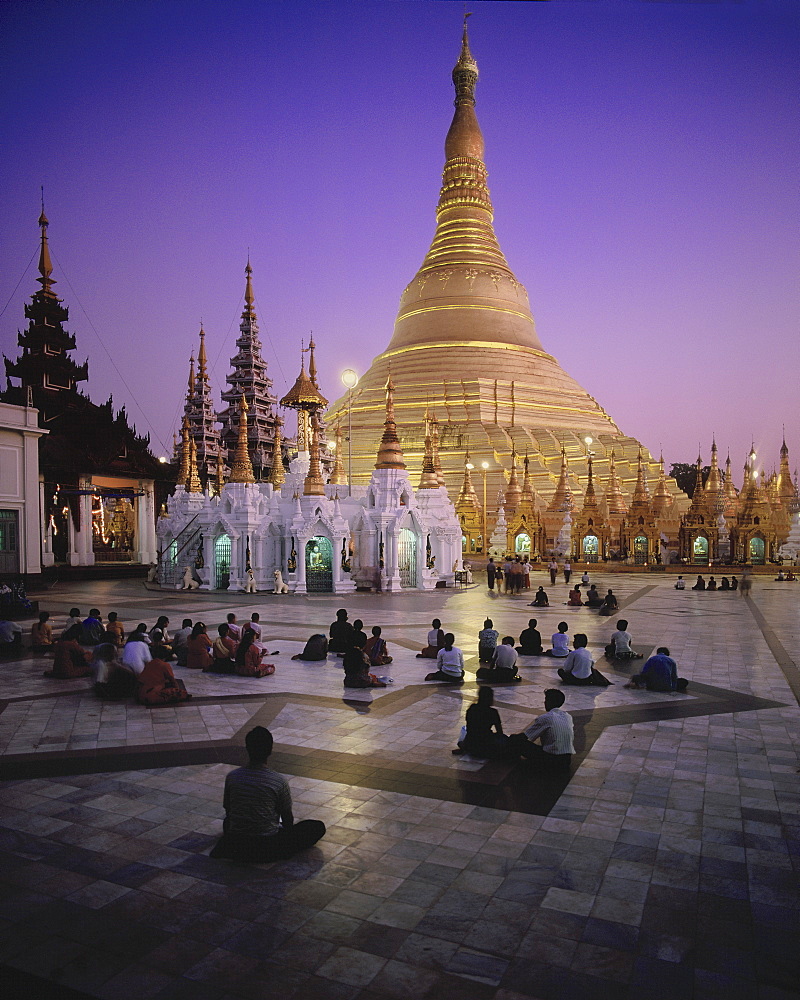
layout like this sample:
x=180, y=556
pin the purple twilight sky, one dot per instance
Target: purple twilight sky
x=643, y=166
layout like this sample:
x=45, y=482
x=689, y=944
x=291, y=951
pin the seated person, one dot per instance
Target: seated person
x=198, y=648
x=42, y=634
x=449, y=663
x=141, y=634
x=482, y=718
x=356, y=669
x=315, y=649
x=136, y=653
x=359, y=633
x=790, y=576
x=734, y=583
x=435, y=641
x=725, y=583
x=585, y=578
x=159, y=635
x=680, y=583
x=341, y=634
x=487, y=641
x=93, y=628
x=114, y=630
x=560, y=642
x=530, y=642
x=255, y=624
x=609, y=605
x=224, y=651
x=660, y=673
x=540, y=599
x=180, y=641
x=575, y=599
x=249, y=656
x=70, y=659
x=504, y=664
x=593, y=598
x=712, y=583
x=259, y=825
x=112, y=680
x=619, y=648
x=157, y=684
x=376, y=649
x=74, y=618
x=579, y=666
x=10, y=638
x=234, y=630
x=700, y=585
x=555, y=731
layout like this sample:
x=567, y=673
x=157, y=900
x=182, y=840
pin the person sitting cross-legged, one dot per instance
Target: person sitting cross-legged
x=341, y=634
x=180, y=642
x=482, y=718
x=593, y=598
x=579, y=666
x=157, y=684
x=659, y=673
x=449, y=663
x=435, y=641
x=259, y=823
x=540, y=599
x=376, y=649
x=609, y=604
x=315, y=649
x=249, y=656
x=555, y=731
x=42, y=634
x=560, y=641
x=619, y=648
x=530, y=641
x=575, y=599
x=356, y=668
x=224, y=651
x=112, y=680
x=504, y=664
x=487, y=641
x=70, y=659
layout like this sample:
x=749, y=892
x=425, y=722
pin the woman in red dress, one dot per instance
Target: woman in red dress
x=70, y=659
x=198, y=648
x=157, y=684
x=248, y=657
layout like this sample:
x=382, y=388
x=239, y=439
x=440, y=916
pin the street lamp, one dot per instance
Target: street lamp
x=350, y=381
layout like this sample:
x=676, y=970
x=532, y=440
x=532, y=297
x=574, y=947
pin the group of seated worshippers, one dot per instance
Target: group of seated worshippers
x=619, y=646
x=659, y=673
x=787, y=577
x=346, y=635
x=554, y=730
x=593, y=598
x=724, y=584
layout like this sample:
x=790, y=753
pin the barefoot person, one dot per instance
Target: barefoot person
x=259, y=823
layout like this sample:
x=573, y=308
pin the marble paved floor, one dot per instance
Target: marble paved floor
x=665, y=867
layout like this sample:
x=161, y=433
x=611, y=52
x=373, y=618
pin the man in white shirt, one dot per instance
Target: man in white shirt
x=554, y=730
x=680, y=583
x=504, y=664
x=579, y=666
x=135, y=655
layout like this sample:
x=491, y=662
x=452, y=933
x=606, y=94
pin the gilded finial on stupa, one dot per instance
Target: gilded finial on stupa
x=277, y=474
x=241, y=466
x=437, y=462
x=183, y=472
x=192, y=479
x=249, y=298
x=428, y=480
x=190, y=388
x=513, y=490
x=202, y=358
x=527, y=491
x=390, y=454
x=338, y=476
x=614, y=498
x=312, y=364
x=220, y=472
x=562, y=498
x=590, y=504
x=313, y=485
x=45, y=264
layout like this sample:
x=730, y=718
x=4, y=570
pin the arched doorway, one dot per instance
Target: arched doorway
x=319, y=565
x=407, y=558
x=590, y=547
x=222, y=562
x=522, y=543
x=757, y=551
x=700, y=550
x=641, y=547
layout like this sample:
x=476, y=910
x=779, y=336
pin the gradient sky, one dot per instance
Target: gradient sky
x=643, y=163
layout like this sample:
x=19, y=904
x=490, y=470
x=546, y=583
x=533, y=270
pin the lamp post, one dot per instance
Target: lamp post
x=350, y=381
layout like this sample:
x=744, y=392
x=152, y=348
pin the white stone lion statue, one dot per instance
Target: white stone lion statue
x=250, y=586
x=280, y=587
x=189, y=582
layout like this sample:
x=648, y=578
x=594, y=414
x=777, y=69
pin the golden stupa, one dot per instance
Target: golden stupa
x=465, y=350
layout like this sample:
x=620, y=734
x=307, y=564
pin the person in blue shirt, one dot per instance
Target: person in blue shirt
x=660, y=673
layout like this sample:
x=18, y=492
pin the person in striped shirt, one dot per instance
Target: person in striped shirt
x=259, y=823
x=555, y=732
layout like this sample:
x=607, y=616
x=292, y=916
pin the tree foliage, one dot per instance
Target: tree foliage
x=685, y=476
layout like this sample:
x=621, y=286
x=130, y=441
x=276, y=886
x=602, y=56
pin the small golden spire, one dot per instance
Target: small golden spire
x=45, y=264
x=428, y=479
x=338, y=477
x=313, y=485
x=190, y=389
x=640, y=502
x=277, y=474
x=467, y=498
x=183, y=473
x=513, y=490
x=614, y=498
x=241, y=466
x=249, y=311
x=312, y=364
x=202, y=360
x=193, y=480
x=527, y=491
x=562, y=498
x=437, y=462
x=662, y=500
x=390, y=454
x=220, y=471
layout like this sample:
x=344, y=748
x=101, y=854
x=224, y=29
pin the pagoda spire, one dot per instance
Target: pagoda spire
x=467, y=497
x=249, y=298
x=183, y=472
x=45, y=264
x=513, y=491
x=220, y=471
x=312, y=364
x=614, y=498
x=241, y=467
x=527, y=490
x=590, y=504
x=437, y=463
x=714, y=489
x=640, y=502
x=390, y=454
x=562, y=498
x=786, y=489
x=277, y=474
x=192, y=479
x=662, y=500
x=428, y=480
x=313, y=485
x=202, y=358
x=338, y=476
x=190, y=387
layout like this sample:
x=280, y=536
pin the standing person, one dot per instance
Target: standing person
x=567, y=571
x=508, y=582
x=746, y=583
x=259, y=824
x=503, y=669
x=517, y=575
x=660, y=673
x=491, y=573
x=198, y=648
x=526, y=572
x=435, y=641
x=482, y=719
x=341, y=634
x=553, y=567
x=449, y=663
x=42, y=634
x=487, y=640
x=555, y=731
x=579, y=666
x=530, y=641
x=560, y=642
x=180, y=641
